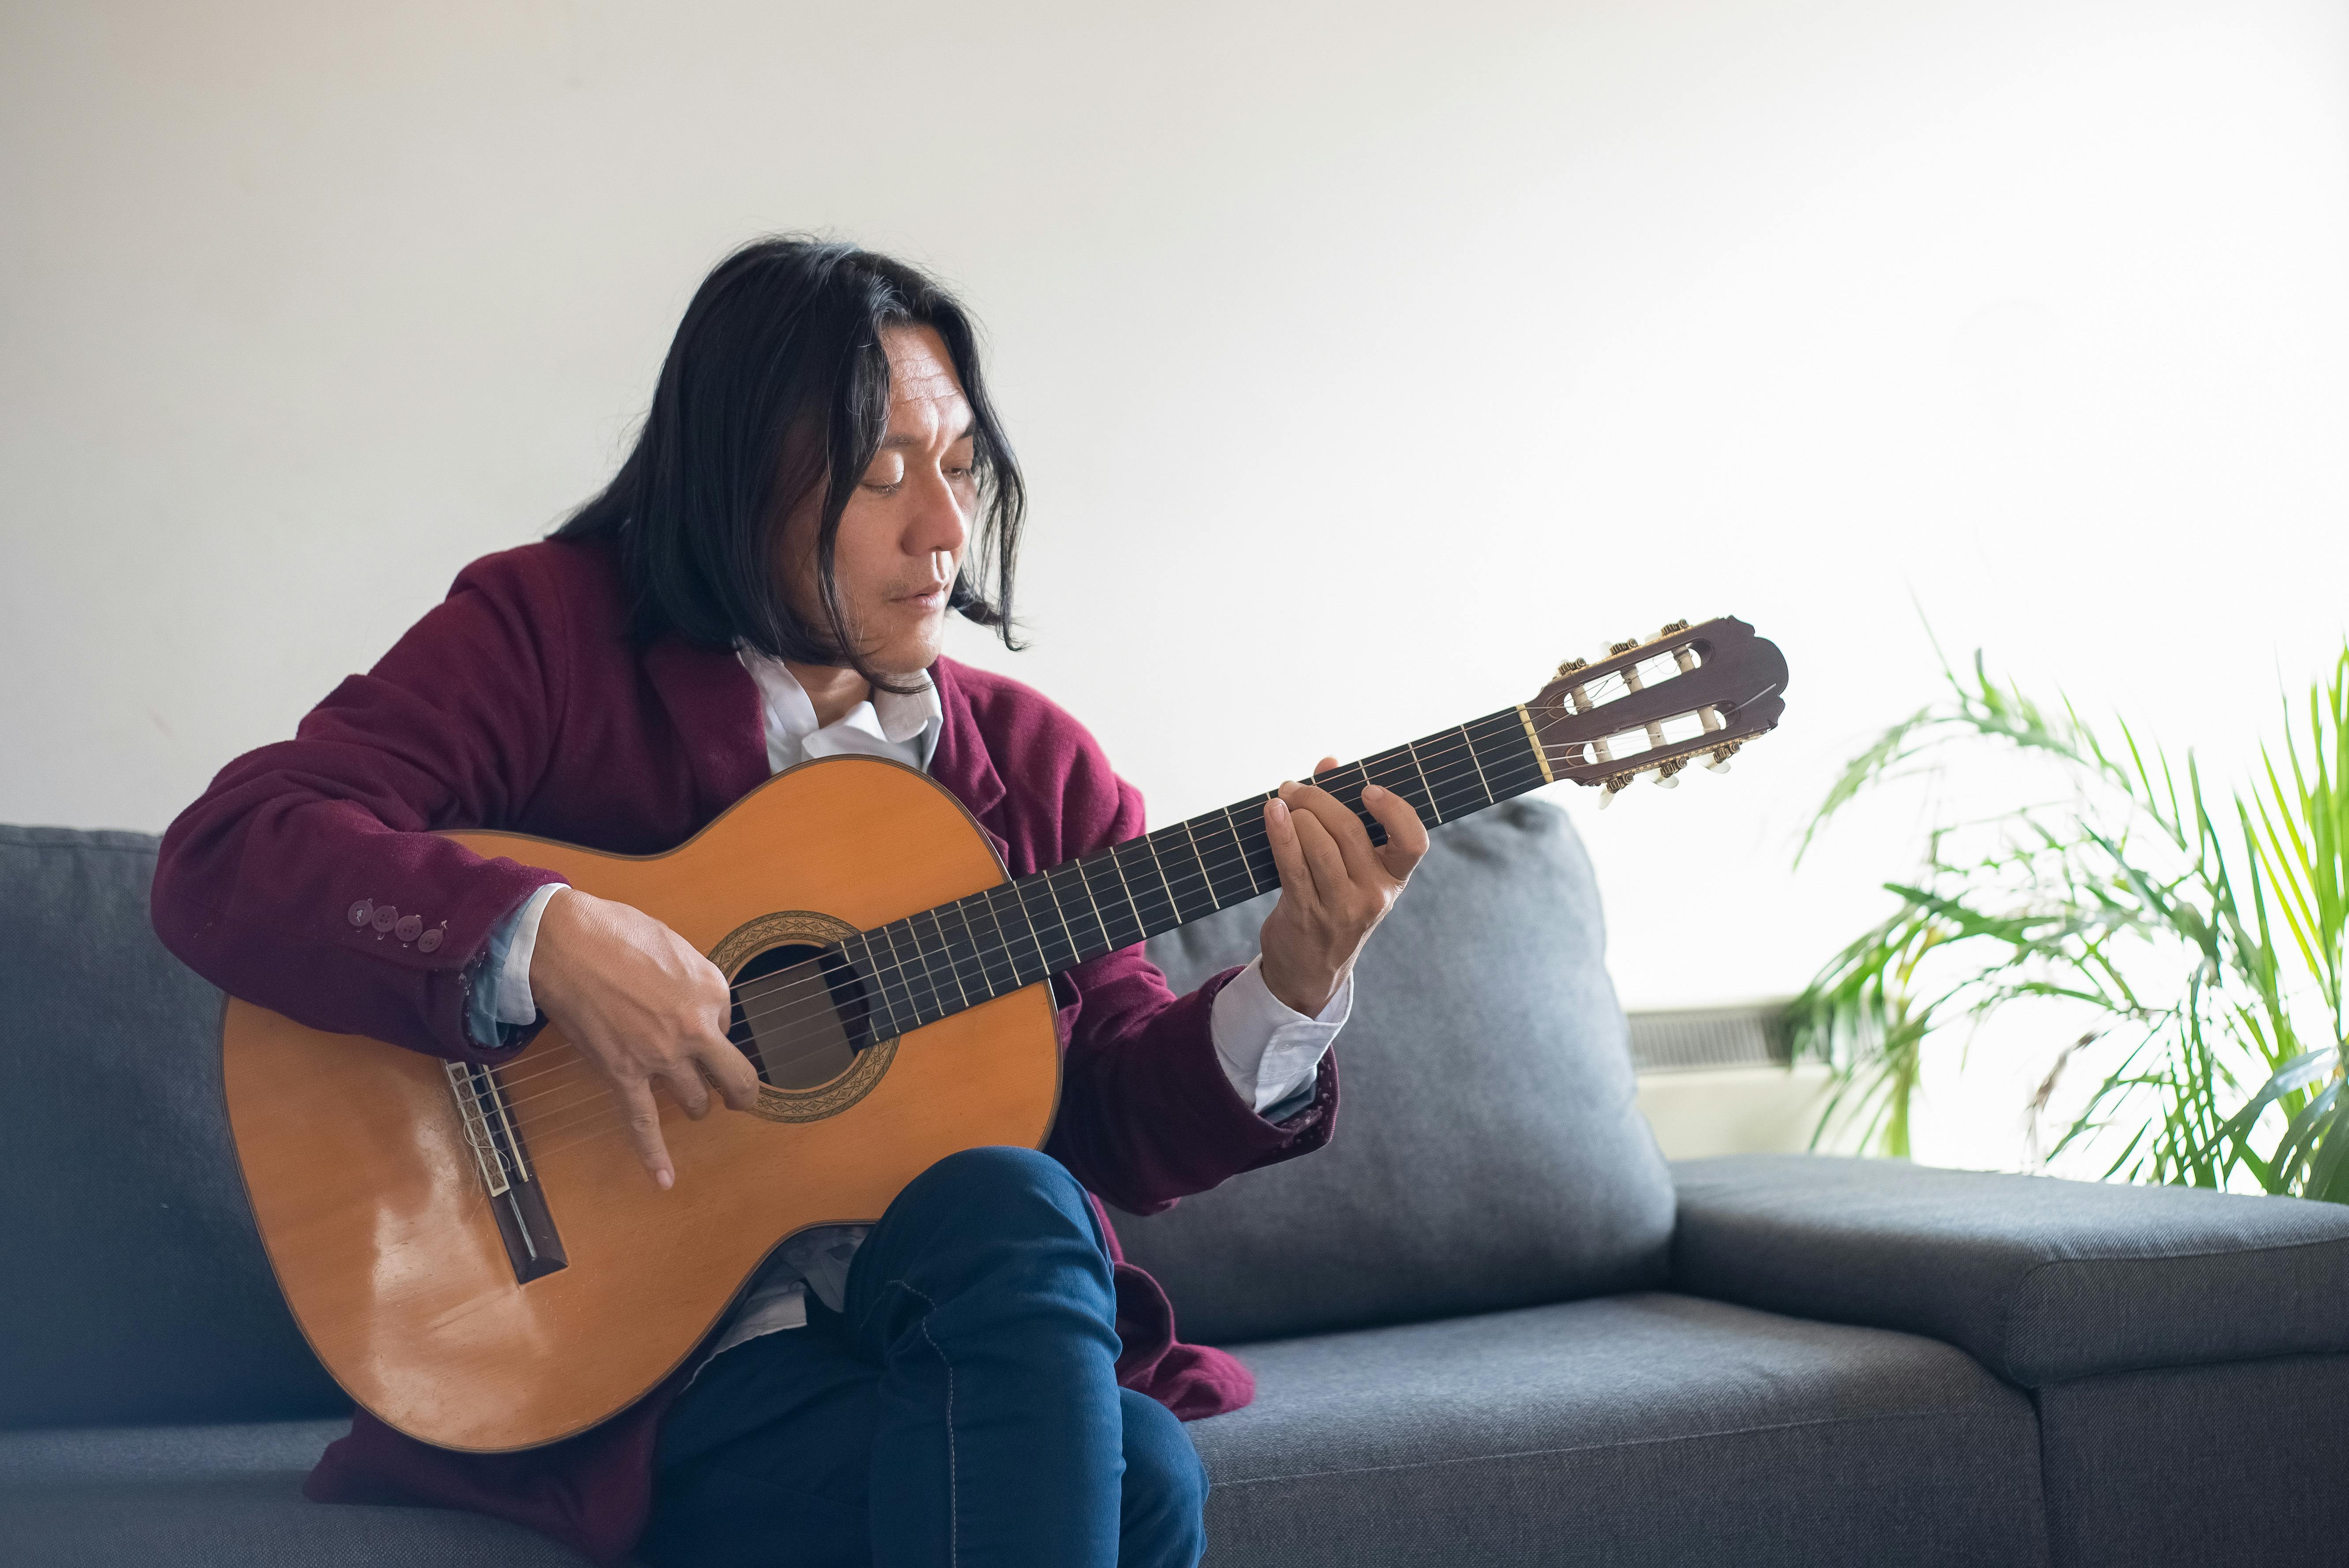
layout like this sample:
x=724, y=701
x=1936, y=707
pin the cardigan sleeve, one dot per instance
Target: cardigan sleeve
x=307, y=878
x=1148, y=1114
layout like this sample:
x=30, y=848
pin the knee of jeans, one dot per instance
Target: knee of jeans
x=1165, y=1489
x=991, y=1180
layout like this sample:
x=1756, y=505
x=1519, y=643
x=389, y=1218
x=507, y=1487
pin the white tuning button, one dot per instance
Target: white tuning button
x=1665, y=783
x=1606, y=795
x=1722, y=766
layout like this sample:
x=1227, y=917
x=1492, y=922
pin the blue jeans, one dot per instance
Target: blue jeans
x=961, y=1410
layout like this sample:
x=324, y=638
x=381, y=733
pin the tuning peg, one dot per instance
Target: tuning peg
x=1665, y=772
x=1570, y=665
x=1721, y=756
x=1669, y=630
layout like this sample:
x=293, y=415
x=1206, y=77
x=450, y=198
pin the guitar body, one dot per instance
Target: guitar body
x=378, y=1219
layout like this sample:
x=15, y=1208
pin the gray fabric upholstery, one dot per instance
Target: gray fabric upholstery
x=2041, y=1280
x=1639, y=1431
x=138, y=1291
x=1489, y=1159
x=2191, y=1466
x=1488, y=1152
x=222, y=1497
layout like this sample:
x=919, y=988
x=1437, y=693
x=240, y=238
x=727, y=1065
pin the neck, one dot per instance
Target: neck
x=833, y=690
x=936, y=962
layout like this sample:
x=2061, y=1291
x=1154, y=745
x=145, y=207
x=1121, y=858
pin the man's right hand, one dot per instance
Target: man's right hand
x=641, y=1003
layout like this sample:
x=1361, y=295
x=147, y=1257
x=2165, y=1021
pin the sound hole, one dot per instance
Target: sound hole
x=800, y=1016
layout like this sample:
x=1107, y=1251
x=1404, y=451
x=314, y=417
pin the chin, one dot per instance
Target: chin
x=910, y=655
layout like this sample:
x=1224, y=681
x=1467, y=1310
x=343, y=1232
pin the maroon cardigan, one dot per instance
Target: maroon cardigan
x=519, y=704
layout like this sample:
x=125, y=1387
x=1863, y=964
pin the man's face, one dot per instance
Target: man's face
x=902, y=537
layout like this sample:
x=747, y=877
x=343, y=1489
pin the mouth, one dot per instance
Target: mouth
x=931, y=598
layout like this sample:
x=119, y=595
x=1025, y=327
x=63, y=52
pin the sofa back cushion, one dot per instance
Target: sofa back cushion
x=137, y=1289
x=1489, y=1154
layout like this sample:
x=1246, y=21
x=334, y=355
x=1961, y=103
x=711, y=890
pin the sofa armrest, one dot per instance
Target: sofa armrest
x=2040, y=1280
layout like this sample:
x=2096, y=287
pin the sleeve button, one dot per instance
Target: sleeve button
x=409, y=926
x=361, y=912
x=429, y=941
x=387, y=915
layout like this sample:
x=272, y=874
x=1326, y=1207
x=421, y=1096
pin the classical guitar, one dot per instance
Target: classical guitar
x=475, y=1253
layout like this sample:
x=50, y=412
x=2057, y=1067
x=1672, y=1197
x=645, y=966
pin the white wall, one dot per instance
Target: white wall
x=1366, y=360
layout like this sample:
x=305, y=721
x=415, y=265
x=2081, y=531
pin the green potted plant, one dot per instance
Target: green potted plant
x=2192, y=953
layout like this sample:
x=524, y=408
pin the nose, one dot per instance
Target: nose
x=937, y=524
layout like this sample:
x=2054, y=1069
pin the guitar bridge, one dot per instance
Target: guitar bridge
x=524, y=1222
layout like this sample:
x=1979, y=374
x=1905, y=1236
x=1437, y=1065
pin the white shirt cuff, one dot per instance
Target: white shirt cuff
x=1269, y=1050
x=515, y=1003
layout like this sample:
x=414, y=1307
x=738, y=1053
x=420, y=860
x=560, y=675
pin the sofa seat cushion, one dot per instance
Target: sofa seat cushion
x=1635, y=1431
x=222, y=1497
x=2041, y=1280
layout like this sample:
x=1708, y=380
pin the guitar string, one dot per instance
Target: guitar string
x=606, y=1118
x=801, y=992
x=802, y=998
x=786, y=1022
x=902, y=972
x=557, y=1136
x=599, y=1095
x=599, y=1092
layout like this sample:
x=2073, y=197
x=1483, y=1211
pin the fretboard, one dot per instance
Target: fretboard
x=941, y=961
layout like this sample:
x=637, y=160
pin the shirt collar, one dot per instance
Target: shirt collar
x=892, y=716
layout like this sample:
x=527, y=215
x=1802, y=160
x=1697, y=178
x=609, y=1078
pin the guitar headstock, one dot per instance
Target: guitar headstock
x=1688, y=694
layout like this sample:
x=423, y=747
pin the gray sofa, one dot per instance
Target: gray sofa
x=1489, y=1324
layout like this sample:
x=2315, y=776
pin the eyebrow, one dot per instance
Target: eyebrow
x=969, y=428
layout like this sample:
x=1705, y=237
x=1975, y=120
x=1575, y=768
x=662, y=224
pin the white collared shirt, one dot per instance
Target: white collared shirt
x=1269, y=1051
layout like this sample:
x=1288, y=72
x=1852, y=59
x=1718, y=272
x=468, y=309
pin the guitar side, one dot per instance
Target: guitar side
x=380, y=1225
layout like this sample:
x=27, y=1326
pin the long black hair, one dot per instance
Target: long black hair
x=777, y=384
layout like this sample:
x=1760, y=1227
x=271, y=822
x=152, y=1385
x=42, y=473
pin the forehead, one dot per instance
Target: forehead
x=924, y=395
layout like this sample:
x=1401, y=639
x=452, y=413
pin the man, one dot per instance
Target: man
x=979, y=1377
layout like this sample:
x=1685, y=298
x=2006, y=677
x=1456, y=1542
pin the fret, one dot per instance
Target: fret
x=946, y=951
x=929, y=1008
x=908, y=1015
x=1387, y=761
x=903, y=975
x=1086, y=883
x=1235, y=849
x=1173, y=908
x=1036, y=940
x=1424, y=787
x=1204, y=874
x=1000, y=947
x=1470, y=742
x=1512, y=754
x=1067, y=939
x=880, y=992
x=938, y=1008
x=1240, y=844
x=1140, y=928
x=970, y=940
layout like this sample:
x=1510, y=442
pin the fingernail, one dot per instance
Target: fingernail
x=1371, y=789
x=1280, y=810
x=664, y=1179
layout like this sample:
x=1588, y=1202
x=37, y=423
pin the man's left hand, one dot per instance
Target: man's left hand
x=1335, y=885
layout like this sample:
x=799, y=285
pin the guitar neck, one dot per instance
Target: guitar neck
x=941, y=961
